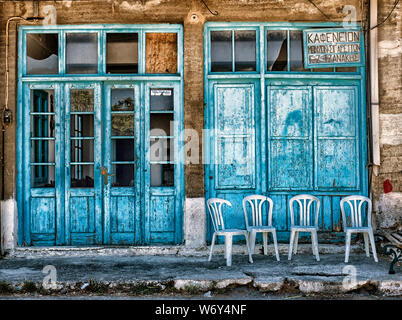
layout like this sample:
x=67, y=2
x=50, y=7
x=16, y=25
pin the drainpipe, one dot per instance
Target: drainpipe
x=374, y=96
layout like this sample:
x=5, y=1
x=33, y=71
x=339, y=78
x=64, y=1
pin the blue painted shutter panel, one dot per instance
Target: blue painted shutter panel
x=290, y=151
x=337, y=159
x=234, y=144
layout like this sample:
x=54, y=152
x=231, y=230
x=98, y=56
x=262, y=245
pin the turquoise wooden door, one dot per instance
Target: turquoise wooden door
x=305, y=139
x=42, y=159
x=103, y=169
x=234, y=145
x=122, y=187
x=83, y=160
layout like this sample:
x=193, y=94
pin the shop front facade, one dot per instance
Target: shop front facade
x=128, y=116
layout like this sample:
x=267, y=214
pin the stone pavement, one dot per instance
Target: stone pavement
x=176, y=270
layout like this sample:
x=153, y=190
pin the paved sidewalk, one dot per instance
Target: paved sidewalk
x=175, y=270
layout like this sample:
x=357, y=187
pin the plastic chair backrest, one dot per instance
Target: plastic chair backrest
x=215, y=211
x=305, y=202
x=355, y=203
x=256, y=203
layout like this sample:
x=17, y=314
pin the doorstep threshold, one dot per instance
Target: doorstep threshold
x=175, y=250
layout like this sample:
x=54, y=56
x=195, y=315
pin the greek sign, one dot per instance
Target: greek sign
x=332, y=48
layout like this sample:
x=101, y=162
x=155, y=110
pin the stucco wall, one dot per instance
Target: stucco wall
x=388, y=206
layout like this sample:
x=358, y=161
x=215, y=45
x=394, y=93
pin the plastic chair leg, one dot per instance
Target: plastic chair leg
x=315, y=244
x=212, y=247
x=296, y=242
x=250, y=258
x=371, y=235
x=265, y=240
x=292, y=237
x=366, y=244
x=276, y=245
x=253, y=235
x=228, y=249
x=347, y=248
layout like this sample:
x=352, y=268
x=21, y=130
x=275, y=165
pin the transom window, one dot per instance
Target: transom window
x=100, y=52
x=237, y=50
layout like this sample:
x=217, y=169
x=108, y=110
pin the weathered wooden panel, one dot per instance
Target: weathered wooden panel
x=290, y=153
x=291, y=165
x=43, y=215
x=235, y=168
x=162, y=213
x=337, y=161
x=161, y=53
x=235, y=136
x=82, y=214
x=122, y=214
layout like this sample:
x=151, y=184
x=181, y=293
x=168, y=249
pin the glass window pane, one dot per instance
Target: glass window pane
x=82, y=125
x=245, y=50
x=122, y=125
x=277, y=50
x=221, y=51
x=122, y=99
x=42, y=101
x=82, y=100
x=42, y=53
x=82, y=53
x=122, y=53
x=123, y=175
x=161, y=53
x=42, y=151
x=82, y=150
x=161, y=124
x=122, y=149
x=82, y=176
x=162, y=175
x=161, y=149
x=42, y=176
x=296, y=51
x=161, y=99
x=42, y=126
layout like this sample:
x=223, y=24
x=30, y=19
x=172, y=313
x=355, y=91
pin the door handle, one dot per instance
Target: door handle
x=105, y=174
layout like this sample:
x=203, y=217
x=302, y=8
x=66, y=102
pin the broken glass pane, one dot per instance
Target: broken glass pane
x=277, y=50
x=42, y=53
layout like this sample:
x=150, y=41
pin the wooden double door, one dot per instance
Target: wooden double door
x=288, y=138
x=94, y=173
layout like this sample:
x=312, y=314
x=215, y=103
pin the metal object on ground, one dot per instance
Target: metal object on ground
x=393, y=249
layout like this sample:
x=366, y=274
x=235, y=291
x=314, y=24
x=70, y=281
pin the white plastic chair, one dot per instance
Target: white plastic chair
x=306, y=223
x=215, y=211
x=256, y=203
x=356, y=223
